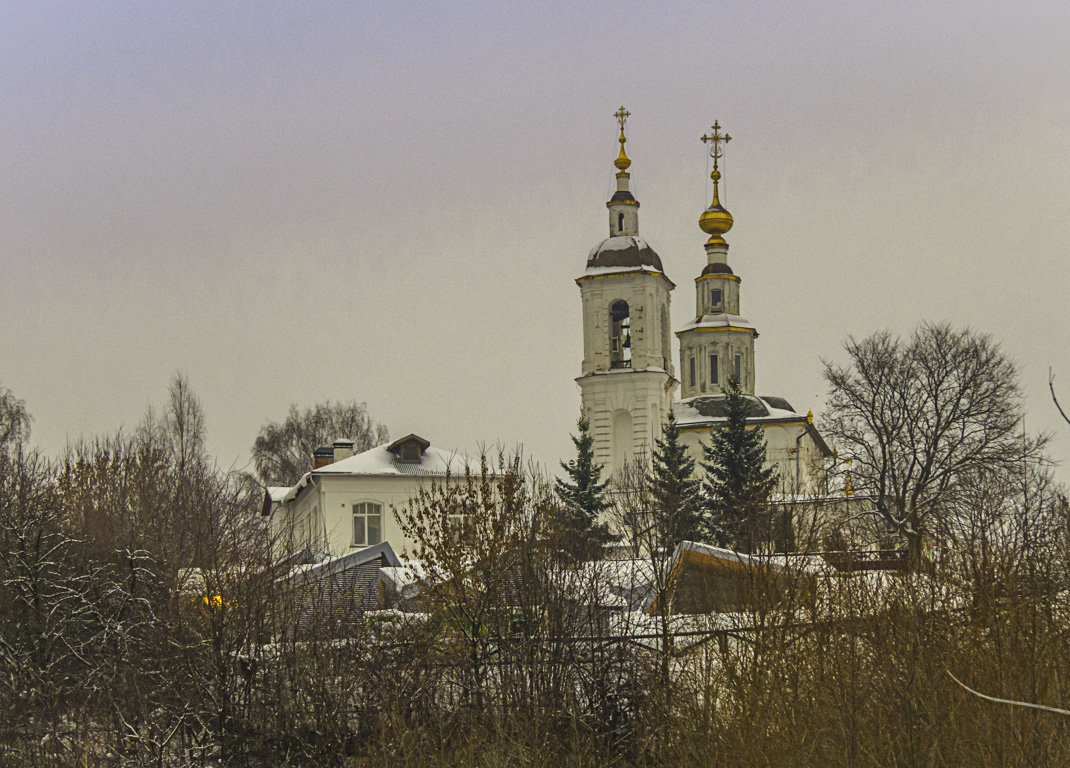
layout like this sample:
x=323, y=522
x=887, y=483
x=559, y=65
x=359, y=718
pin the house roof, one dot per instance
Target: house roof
x=383, y=461
x=694, y=555
x=710, y=411
x=378, y=462
x=335, y=565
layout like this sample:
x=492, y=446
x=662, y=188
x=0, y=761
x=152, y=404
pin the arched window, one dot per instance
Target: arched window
x=620, y=335
x=620, y=222
x=367, y=523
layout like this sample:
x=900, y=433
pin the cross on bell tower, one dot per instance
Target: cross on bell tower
x=627, y=379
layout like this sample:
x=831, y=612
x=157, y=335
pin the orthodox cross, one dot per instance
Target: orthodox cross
x=622, y=116
x=715, y=139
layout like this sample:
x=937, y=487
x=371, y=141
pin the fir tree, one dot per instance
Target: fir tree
x=737, y=485
x=675, y=492
x=583, y=500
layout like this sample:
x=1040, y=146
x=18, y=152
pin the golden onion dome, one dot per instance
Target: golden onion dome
x=715, y=220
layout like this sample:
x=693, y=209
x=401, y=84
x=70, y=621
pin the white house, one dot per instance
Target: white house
x=348, y=502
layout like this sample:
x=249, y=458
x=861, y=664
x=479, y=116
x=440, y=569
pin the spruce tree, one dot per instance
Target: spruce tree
x=737, y=484
x=675, y=492
x=583, y=500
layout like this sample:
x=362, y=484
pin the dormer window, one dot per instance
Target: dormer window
x=410, y=448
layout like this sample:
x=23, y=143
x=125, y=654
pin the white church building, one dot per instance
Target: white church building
x=628, y=382
x=628, y=386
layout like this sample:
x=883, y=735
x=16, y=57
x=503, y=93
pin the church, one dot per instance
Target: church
x=628, y=387
x=628, y=381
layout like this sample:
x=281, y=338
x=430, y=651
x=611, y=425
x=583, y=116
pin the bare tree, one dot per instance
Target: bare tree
x=14, y=419
x=920, y=416
x=283, y=451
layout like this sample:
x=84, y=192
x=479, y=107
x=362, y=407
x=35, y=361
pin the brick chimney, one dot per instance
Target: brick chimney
x=322, y=456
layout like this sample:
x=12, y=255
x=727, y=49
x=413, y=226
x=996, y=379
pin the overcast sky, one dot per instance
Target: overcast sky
x=389, y=202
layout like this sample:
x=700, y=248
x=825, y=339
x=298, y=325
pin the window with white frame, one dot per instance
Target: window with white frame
x=367, y=523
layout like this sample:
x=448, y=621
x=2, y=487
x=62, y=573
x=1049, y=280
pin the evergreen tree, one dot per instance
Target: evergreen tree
x=583, y=500
x=675, y=492
x=737, y=485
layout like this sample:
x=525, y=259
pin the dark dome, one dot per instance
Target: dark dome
x=719, y=268
x=624, y=251
x=716, y=406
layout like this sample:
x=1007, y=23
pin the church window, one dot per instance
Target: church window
x=691, y=371
x=716, y=298
x=738, y=366
x=620, y=222
x=623, y=439
x=367, y=523
x=714, y=378
x=620, y=335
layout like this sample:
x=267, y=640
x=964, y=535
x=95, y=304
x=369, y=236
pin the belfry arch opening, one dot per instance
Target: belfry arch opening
x=620, y=335
x=620, y=223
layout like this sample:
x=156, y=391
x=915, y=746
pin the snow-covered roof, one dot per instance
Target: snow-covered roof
x=776, y=563
x=380, y=461
x=702, y=409
x=334, y=565
x=709, y=411
x=722, y=320
x=624, y=253
x=277, y=492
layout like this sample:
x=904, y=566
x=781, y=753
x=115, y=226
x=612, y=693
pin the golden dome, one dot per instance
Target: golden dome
x=715, y=220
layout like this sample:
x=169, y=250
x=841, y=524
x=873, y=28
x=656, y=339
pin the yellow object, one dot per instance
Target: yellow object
x=716, y=220
x=622, y=162
x=717, y=276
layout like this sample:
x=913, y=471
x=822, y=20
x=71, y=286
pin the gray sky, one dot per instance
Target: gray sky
x=389, y=201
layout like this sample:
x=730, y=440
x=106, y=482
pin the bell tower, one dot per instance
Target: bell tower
x=718, y=343
x=627, y=378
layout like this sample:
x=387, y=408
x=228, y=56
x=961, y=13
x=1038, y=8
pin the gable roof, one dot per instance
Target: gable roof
x=383, y=461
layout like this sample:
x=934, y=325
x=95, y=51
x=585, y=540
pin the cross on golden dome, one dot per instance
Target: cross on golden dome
x=622, y=162
x=715, y=220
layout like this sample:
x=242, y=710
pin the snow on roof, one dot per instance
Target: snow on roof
x=277, y=492
x=380, y=461
x=722, y=320
x=702, y=409
x=619, y=243
x=406, y=579
x=333, y=565
x=777, y=563
x=617, y=270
